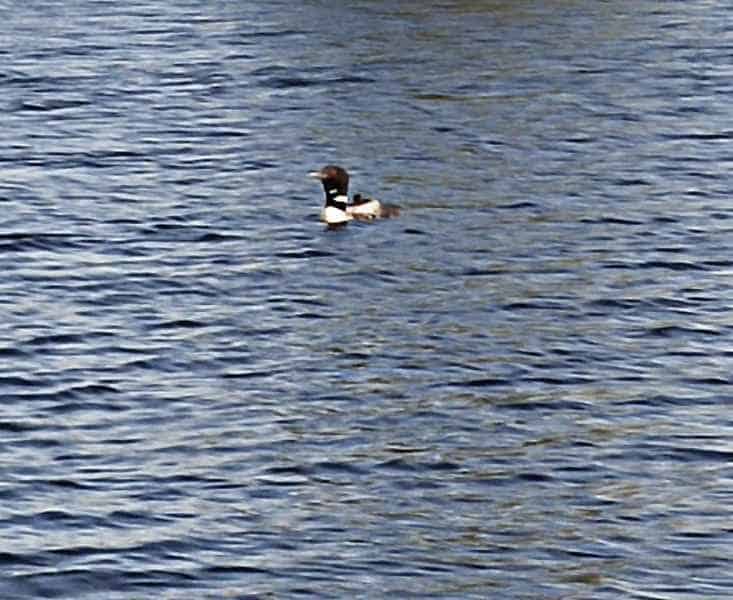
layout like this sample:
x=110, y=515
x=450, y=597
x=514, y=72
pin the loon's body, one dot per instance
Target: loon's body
x=338, y=210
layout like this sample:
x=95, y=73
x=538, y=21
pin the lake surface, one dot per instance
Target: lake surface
x=521, y=388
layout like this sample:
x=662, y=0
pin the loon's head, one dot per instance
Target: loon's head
x=335, y=182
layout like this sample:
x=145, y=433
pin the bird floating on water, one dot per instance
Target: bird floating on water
x=338, y=210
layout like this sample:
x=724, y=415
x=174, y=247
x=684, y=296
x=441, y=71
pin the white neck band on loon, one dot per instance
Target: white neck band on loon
x=333, y=198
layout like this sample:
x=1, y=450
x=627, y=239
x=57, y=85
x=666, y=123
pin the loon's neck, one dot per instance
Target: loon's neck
x=337, y=199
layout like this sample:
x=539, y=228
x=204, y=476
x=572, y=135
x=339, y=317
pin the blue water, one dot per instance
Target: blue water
x=521, y=388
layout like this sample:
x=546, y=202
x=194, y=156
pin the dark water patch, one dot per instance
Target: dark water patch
x=166, y=547
x=541, y=404
x=285, y=301
x=67, y=484
x=25, y=242
x=125, y=519
x=18, y=426
x=279, y=33
x=630, y=182
x=239, y=570
x=84, y=405
x=294, y=470
x=613, y=304
x=486, y=272
x=567, y=380
x=708, y=381
x=178, y=324
x=24, y=560
x=107, y=158
x=336, y=467
x=270, y=70
x=271, y=485
x=51, y=105
x=42, y=397
x=56, y=583
x=59, y=519
x=676, y=331
x=60, y=339
x=521, y=205
x=179, y=232
x=24, y=382
x=718, y=263
x=482, y=382
x=682, y=303
x=658, y=264
x=690, y=454
x=723, y=135
x=291, y=82
x=611, y=220
x=665, y=219
x=399, y=465
x=310, y=315
x=537, y=305
x=533, y=478
x=13, y=353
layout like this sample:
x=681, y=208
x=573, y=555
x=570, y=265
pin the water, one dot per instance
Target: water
x=518, y=389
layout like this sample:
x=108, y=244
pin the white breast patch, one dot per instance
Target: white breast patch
x=334, y=216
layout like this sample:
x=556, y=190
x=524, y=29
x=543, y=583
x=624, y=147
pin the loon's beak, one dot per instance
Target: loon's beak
x=316, y=174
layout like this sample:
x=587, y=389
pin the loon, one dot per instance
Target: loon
x=338, y=210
